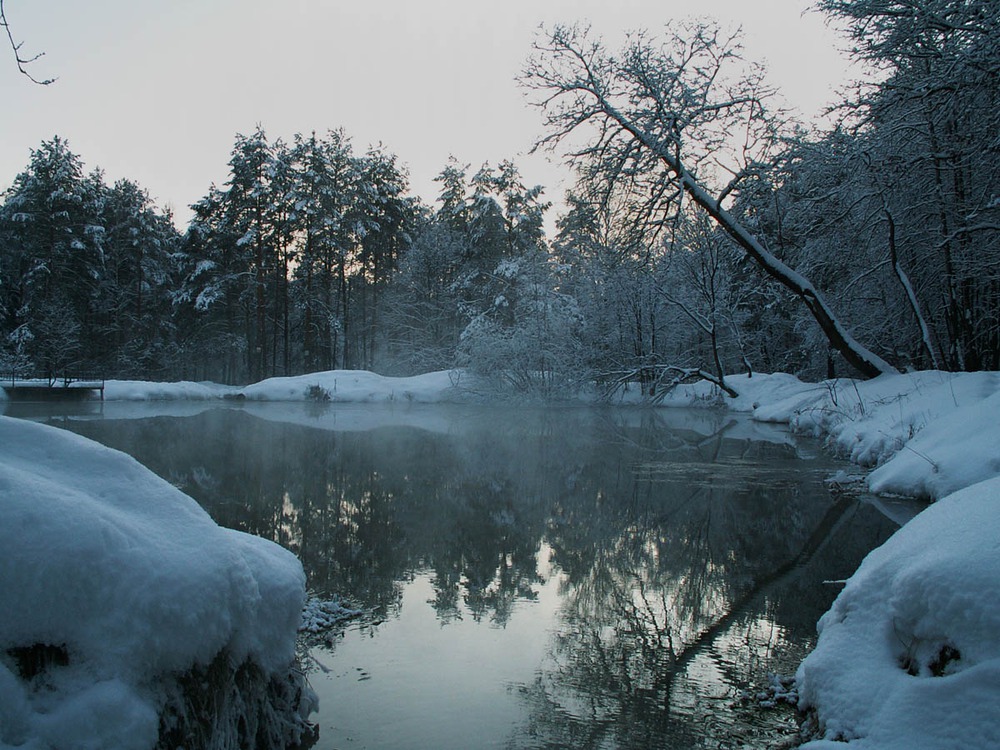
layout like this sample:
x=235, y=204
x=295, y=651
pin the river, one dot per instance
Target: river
x=530, y=578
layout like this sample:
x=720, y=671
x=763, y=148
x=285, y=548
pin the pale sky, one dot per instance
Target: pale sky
x=156, y=91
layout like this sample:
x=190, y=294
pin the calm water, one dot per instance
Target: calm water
x=557, y=578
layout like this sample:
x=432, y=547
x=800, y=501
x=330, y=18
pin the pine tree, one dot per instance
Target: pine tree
x=51, y=258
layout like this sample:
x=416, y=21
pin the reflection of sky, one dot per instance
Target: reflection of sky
x=433, y=684
x=420, y=682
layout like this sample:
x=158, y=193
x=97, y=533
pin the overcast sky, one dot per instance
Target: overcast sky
x=156, y=91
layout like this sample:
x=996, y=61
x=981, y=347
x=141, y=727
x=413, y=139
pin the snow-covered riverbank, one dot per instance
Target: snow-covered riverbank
x=127, y=613
x=923, y=434
x=908, y=656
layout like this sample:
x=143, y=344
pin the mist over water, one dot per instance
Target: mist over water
x=587, y=578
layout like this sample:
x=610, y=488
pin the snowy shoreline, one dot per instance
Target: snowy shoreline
x=909, y=654
x=923, y=435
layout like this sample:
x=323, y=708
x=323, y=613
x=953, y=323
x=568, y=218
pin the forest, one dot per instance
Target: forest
x=707, y=232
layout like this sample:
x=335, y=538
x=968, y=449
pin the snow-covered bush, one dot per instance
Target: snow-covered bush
x=317, y=393
x=529, y=341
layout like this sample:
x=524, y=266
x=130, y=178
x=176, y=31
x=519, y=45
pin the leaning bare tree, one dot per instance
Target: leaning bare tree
x=660, y=115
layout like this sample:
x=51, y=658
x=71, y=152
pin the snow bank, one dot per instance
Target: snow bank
x=356, y=386
x=909, y=654
x=130, y=582
x=140, y=390
x=957, y=449
x=928, y=433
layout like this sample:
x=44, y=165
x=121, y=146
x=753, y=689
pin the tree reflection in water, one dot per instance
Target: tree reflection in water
x=689, y=556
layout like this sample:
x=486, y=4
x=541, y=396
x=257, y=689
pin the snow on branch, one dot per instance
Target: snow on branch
x=664, y=110
x=667, y=377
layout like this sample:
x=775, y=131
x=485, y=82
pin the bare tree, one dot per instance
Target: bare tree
x=22, y=62
x=665, y=117
x=700, y=284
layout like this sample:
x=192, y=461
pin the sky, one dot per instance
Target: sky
x=157, y=91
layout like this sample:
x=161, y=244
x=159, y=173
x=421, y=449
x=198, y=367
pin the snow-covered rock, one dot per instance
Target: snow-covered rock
x=129, y=584
x=909, y=653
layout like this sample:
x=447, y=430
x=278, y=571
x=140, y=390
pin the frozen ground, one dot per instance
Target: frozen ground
x=908, y=656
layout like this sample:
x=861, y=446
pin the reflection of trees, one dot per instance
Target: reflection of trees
x=363, y=510
x=679, y=550
x=624, y=503
x=648, y=643
x=485, y=557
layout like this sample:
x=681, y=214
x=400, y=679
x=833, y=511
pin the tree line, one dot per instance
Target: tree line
x=706, y=233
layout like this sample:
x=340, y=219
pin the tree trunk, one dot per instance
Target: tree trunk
x=859, y=357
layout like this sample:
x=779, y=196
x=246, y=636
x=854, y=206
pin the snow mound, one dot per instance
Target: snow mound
x=909, y=654
x=959, y=449
x=140, y=390
x=115, y=582
x=356, y=386
x=871, y=421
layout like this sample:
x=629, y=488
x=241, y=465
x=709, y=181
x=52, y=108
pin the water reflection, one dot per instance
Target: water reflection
x=683, y=561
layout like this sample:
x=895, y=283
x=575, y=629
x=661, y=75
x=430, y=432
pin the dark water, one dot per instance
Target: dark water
x=555, y=578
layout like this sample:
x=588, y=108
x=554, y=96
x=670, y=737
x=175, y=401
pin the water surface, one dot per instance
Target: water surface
x=532, y=578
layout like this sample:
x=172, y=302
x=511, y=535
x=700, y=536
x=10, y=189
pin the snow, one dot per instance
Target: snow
x=139, y=390
x=320, y=615
x=883, y=673
x=358, y=386
x=908, y=656
x=133, y=579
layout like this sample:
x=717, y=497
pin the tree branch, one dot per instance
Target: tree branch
x=22, y=62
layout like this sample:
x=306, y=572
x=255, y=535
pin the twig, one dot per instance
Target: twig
x=22, y=62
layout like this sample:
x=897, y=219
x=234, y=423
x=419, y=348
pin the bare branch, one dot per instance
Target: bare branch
x=663, y=111
x=22, y=62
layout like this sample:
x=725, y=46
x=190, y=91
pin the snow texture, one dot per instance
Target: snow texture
x=909, y=654
x=132, y=580
x=321, y=615
x=138, y=390
x=358, y=386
